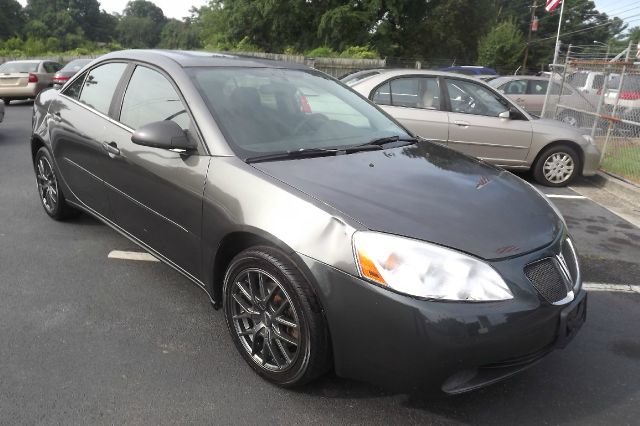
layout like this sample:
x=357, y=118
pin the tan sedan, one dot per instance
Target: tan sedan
x=25, y=79
x=468, y=115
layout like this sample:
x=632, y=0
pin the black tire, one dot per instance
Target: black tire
x=250, y=309
x=557, y=166
x=7, y=101
x=51, y=196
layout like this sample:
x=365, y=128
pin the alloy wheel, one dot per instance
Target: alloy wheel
x=570, y=120
x=558, y=167
x=47, y=184
x=265, y=320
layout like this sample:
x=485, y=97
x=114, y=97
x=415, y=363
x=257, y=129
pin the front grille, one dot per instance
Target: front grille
x=546, y=277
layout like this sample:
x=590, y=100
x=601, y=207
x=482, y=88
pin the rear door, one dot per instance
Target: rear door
x=156, y=193
x=81, y=116
x=476, y=129
x=415, y=102
x=536, y=92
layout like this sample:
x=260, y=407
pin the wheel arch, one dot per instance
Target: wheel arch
x=561, y=142
x=36, y=144
x=241, y=239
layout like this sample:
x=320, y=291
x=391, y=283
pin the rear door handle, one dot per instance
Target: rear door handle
x=461, y=123
x=111, y=148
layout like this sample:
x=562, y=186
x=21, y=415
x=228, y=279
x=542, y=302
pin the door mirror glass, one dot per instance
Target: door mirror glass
x=505, y=115
x=163, y=134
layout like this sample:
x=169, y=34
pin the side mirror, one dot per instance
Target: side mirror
x=501, y=91
x=505, y=114
x=163, y=134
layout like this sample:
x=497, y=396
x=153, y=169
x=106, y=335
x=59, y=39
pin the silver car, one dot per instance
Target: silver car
x=25, y=79
x=474, y=118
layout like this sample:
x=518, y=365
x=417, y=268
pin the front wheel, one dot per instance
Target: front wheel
x=274, y=317
x=557, y=166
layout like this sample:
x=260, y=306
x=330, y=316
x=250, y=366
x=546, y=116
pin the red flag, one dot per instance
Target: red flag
x=551, y=5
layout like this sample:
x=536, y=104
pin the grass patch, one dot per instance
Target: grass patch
x=623, y=161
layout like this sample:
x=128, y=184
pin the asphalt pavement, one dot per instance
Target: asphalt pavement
x=85, y=339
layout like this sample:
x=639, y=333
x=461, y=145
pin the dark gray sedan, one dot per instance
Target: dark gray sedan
x=331, y=237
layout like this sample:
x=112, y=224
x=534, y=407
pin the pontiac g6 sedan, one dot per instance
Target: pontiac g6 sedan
x=330, y=236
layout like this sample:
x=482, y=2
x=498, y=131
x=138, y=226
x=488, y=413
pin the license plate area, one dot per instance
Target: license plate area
x=571, y=319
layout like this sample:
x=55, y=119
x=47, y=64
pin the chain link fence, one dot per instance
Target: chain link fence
x=599, y=92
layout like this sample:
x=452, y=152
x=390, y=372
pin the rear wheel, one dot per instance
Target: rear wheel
x=274, y=317
x=7, y=100
x=49, y=191
x=557, y=166
x=571, y=119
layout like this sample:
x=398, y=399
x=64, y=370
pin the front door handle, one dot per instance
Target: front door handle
x=461, y=123
x=111, y=148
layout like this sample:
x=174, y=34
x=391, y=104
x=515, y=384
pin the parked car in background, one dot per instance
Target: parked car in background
x=472, y=117
x=628, y=104
x=483, y=73
x=25, y=79
x=351, y=78
x=529, y=93
x=329, y=235
x=68, y=71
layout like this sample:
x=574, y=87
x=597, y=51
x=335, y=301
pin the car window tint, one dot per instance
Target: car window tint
x=516, y=87
x=100, y=85
x=598, y=82
x=405, y=92
x=537, y=87
x=471, y=98
x=73, y=90
x=48, y=67
x=382, y=96
x=150, y=97
x=578, y=79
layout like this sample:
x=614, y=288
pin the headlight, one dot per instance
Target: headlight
x=426, y=270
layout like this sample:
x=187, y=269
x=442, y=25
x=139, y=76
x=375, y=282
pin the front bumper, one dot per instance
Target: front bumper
x=404, y=343
x=591, y=160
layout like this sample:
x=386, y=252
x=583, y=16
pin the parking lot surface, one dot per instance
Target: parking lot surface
x=88, y=339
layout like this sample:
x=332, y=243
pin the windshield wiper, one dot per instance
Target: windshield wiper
x=299, y=153
x=383, y=141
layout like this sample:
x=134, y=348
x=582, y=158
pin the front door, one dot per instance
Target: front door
x=156, y=193
x=476, y=129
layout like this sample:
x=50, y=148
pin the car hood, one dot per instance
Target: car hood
x=431, y=193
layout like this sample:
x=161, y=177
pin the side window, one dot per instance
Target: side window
x=598, y=82
x=149, y=98
x=100, y=86
x=74, y=89
x=471, y=98
x=382, y=96
x=48, y=67
x=405, y=92
x=516, y=87
x=537, y=87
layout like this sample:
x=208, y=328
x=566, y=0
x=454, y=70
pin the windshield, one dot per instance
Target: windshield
x=9, y=67
x=268, y=110
x=76, y=65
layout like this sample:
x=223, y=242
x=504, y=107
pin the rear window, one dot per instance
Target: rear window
x=9, y=67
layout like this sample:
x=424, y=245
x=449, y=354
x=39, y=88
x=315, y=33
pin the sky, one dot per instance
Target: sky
x=172, y=8
x=628, y=10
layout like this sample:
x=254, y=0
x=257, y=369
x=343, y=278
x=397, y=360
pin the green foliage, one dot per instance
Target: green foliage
x=359, y=52
x=322, y=52
x=502, y=47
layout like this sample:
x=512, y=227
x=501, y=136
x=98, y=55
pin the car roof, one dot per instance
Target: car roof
x=409, y=71
x=29, y=61
x=199, y=59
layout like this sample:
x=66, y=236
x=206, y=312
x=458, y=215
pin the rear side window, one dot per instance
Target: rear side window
x=515, y=87
x=537, y=87
x=150, y=97
x=73, y=90
x=413, y=92
x=100, y=86
x=52, y=67
x=382, y=96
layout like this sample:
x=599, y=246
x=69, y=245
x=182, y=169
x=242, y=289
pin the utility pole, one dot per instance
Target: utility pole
x=526, y=49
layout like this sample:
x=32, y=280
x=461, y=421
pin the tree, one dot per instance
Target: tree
x=502, y=47
x=180, y=35
x=11, y=18
x=150, y=20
